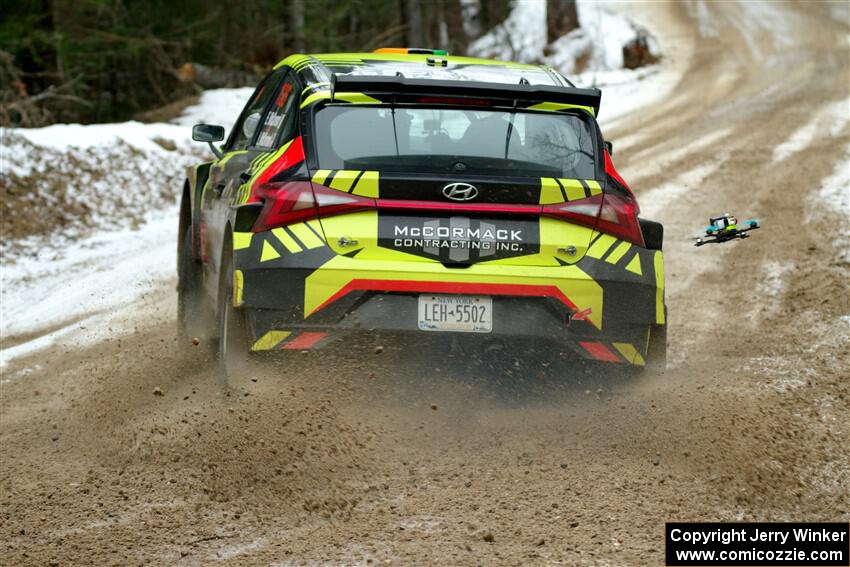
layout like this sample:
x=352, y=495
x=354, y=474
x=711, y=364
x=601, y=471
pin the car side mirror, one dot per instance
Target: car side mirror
x=208, y=133
x=610, y=147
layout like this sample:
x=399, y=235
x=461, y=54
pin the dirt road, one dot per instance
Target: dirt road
x=404, y=458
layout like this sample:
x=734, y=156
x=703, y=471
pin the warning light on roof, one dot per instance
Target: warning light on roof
x=412, y=51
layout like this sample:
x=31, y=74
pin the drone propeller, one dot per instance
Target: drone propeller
x=723, y=229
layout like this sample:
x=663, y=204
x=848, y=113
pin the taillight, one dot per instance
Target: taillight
x=296, y=201
x=583, y=211
x=613, y=214
x=619, y=217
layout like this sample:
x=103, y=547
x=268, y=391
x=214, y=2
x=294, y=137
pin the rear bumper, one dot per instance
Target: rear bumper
x=603, y=306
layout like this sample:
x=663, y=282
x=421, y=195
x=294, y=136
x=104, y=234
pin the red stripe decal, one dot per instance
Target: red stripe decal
x=522, y=290
x=599, y=351
x=304, y=340
x=612, y=171
x=294, y=154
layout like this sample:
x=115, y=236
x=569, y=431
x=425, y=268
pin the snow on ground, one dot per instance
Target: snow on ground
x=770, y=290
x=834, y=117
x=598, y=43
x=217, y=106
x=521, y=37
x=835, y=189
x=706, y=23
x=62, y=181
x=833, y=200
x=625, y=91
x=78, y=292
x=77, y=278
x=99, y=272
x=656, y=159
x=600, y=37
x=762, y=20
x=654, y=201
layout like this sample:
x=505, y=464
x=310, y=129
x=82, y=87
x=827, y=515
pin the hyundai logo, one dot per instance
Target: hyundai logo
x=460, y=191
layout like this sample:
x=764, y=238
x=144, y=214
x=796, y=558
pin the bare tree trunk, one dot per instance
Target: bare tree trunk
x=430, y=29
x=297, y=22
x=458, y=39
x=561, y=18
x=353, y=25
x=414, y=35
x=491, y=13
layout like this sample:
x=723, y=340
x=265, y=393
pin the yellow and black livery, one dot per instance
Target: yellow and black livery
x=294, y=243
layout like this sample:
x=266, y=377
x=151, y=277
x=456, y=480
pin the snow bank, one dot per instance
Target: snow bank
x=84, y=292
x=107, y=269
x=217, y=106
x=597, y=44
x=84, y=136
x=78, y=280
x=521, y=37
x=64, y=180
x=601, y=37
x=598, y=41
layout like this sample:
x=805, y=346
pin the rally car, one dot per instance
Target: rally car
x=412, y=192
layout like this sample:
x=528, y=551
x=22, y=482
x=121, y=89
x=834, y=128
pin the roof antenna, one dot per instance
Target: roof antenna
x=523, y=81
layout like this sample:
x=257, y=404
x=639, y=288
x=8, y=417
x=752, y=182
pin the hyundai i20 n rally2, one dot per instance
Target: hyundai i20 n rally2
x=413, y=192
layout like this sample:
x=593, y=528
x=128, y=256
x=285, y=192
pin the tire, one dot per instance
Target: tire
x=193, y=311
x=656, y=355
x=234, y=365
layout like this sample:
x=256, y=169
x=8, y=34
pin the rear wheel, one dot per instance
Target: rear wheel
x=655, y=360
x=656, y=354
x=233, y=335
x=193, y=311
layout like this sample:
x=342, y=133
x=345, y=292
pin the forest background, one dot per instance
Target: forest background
x=93, y=61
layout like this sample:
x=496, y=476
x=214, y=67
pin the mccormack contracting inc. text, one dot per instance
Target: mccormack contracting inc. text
x=758, y=544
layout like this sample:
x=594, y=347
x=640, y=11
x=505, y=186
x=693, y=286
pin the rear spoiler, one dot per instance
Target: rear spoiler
x=378, y=84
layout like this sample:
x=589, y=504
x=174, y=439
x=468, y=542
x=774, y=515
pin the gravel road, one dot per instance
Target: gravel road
x=125, y=451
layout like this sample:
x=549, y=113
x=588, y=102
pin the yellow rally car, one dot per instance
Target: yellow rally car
x=413, y=192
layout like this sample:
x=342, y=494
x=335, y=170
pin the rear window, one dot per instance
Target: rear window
x=468, y=141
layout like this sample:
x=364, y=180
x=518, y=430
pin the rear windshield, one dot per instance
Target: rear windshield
x=469, y=141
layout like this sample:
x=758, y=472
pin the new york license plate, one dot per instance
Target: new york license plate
x=459, y=313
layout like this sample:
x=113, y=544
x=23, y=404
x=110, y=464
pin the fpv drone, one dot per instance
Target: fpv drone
x=725, y=228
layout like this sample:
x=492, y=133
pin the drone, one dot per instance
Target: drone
x=725, y=228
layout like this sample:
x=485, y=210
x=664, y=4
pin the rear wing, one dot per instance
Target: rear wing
x=390, y=86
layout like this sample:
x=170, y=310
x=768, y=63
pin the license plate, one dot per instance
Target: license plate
x=459, y=313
